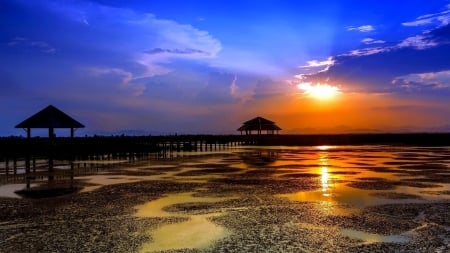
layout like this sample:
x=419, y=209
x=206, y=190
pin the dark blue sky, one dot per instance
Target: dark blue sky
x=206, y=66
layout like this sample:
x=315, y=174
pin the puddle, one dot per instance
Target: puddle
x=197, y=232
x=349, y=196
x=106, y=162
x=102, y=180
x=8, y=191
x=373, y=238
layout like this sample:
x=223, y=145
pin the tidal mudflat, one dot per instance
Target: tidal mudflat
x=247, y=199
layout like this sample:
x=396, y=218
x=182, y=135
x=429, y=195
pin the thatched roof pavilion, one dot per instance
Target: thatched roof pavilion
x=51, y=118
x=259, y=124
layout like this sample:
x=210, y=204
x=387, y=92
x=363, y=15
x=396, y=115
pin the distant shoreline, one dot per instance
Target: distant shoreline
x=418, y=139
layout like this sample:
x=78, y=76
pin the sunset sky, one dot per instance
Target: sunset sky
x=187, y=67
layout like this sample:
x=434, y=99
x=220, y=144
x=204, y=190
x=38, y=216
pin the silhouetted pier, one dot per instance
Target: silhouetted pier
x=35, y=159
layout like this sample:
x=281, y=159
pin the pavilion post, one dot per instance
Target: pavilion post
x=27, y=159
x=51, y=133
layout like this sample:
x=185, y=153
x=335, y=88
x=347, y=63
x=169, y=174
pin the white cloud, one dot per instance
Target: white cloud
x=440, y=19
x=176, y=39
x=428, y=80
x=363, y=28
x=143, y=38
x=233, y=87
x=367, y=51
x=125, y=77
x=315, y=63
x=370, y=41
x=418, y=42
x=419, y=22
x=40, y=46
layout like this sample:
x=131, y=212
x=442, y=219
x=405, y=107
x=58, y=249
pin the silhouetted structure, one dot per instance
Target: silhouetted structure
x=51, y=118
x=259, y=124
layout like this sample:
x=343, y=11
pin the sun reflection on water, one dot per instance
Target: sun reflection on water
x=324, y=175
x=324, y=147
x=324, y=179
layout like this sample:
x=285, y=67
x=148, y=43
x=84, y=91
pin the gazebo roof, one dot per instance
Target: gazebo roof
x=50, y=117
x=259, y=123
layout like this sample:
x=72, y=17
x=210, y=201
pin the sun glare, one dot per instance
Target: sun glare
x=319, y=91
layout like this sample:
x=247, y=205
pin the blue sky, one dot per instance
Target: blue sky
x=207, y=66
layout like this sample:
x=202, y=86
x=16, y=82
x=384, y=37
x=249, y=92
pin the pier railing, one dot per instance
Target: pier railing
x=37, y=159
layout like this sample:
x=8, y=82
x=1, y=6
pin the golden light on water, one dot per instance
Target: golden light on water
x=324, y=147
x=324, y=176
x=319, y=90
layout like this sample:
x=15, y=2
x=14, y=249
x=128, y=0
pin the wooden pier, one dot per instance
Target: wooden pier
x=29, y=160
x=38, y=159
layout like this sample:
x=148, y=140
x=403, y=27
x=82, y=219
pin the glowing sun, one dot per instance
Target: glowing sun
x=319, y=91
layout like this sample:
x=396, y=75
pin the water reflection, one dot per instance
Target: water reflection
x=324, y=176
x=324, y=179
x=324, y=147
x=373, y=238
x=374, y=169
x=260, y=158
x=195, y=232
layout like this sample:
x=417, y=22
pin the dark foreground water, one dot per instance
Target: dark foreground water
x=247, y=199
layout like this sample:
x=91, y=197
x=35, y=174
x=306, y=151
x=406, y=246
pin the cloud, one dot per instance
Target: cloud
x=441, y=18
x=422, y=41
x=141, y=38
x=125, y=79
x=363, y=28
x=186, y=51
x=370, y=41
x=427, y=39
x=174, y=41
x=373, y=69
x=422, y=81
x=367, y=51
x=316, y=67
x=26, y=43
x=233, y=87
x=315, y=63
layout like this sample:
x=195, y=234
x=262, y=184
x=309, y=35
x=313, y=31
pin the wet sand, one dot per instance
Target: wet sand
x=308, y=199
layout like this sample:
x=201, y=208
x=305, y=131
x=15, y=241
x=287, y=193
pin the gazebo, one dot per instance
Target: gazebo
x=51, y=118
x=259, y=124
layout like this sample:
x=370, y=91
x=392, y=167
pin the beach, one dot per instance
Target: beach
x=246, y=199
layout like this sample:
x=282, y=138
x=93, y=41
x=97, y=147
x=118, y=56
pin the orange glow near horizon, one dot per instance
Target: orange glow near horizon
x=319, y=90
x=348, y=112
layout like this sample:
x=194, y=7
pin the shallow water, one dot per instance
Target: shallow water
x=335, y=169
x=335, y=182
x=196, y=232
x=373, y=238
